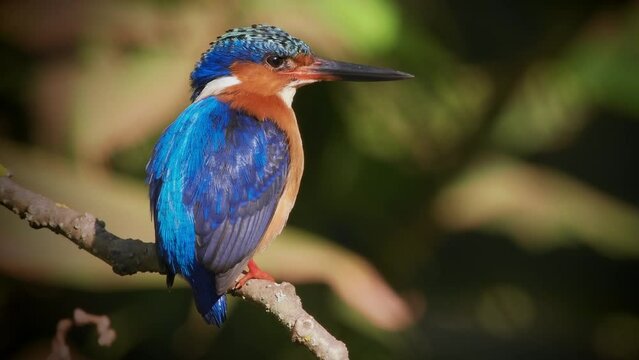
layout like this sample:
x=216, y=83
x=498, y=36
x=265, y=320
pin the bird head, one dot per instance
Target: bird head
x=266, y=61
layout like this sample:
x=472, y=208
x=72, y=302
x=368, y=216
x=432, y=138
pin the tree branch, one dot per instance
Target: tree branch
x=129, y=256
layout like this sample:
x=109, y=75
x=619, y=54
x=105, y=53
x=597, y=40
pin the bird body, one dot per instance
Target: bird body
x=224, y=176
x=216, y=177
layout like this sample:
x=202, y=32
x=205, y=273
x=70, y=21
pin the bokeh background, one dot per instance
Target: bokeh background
x=487, y=209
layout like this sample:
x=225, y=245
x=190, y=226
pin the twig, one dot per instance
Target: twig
x=283, y=302
x=59, y=348
x=129, y=256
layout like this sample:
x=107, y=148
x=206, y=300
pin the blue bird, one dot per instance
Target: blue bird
x=224, y=176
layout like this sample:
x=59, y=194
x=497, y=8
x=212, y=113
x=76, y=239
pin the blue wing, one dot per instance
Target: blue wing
x=215, y=177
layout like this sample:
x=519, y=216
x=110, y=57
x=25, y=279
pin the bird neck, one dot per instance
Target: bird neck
x=260, y=106
x=260, y=100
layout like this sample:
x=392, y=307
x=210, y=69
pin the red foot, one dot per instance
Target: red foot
x=254, y=272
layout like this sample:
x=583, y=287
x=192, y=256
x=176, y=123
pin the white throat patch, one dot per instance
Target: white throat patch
x=215, y=87
x=287, y=93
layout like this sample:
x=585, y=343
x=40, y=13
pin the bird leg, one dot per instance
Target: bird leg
x=254, y=272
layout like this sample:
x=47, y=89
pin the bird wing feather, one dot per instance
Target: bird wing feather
x=230, y=176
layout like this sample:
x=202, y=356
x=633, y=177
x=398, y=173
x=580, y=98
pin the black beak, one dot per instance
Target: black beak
x=331, y=70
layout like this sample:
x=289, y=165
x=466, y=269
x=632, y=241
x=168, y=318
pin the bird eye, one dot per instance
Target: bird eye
x=275, y=61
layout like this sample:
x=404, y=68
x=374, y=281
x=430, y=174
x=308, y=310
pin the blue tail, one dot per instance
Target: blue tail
x=217, y=313
x=211, y=305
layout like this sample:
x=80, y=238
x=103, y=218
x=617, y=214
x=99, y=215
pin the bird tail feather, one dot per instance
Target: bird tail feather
x=217, y=313
x=210, y=305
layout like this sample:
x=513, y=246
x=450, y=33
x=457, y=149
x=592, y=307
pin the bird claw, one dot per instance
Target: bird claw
x=254, y=272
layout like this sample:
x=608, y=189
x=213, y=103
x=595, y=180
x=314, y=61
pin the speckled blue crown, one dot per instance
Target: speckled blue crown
x=251, y=43
x=267, y=36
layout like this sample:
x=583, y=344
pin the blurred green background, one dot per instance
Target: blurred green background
x=486, y=209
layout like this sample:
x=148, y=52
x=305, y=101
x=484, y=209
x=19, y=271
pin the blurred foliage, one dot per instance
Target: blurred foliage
x=496, y=191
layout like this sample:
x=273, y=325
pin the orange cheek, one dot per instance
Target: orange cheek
x=258, y=79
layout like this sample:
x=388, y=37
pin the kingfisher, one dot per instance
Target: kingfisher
x=224, y=176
